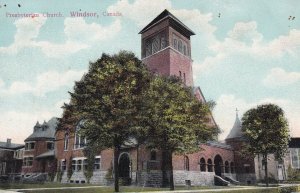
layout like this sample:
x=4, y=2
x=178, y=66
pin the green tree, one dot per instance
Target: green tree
x=109, y=98
x=89, y=152
x=179, y=122
x=266, y=132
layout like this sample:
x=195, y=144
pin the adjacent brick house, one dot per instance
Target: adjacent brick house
x=39, y=156
x=11, y=156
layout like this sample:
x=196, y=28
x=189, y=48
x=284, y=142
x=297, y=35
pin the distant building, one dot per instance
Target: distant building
x=278, y=170
x=11, y=156
x=39, y=156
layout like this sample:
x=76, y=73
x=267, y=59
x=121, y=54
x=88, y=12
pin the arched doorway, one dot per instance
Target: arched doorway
x=124, y=168
x=218, y=162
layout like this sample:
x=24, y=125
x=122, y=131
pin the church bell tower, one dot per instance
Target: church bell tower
x=166, y=47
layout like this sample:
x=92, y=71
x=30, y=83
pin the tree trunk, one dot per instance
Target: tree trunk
x=164, y=168
x=137, y=164
x=116, y=167
x=172, y=187
x=266, y=170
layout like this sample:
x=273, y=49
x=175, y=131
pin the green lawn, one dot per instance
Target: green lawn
x=85, y=189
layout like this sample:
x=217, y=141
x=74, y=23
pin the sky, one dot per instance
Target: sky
x=245, y=53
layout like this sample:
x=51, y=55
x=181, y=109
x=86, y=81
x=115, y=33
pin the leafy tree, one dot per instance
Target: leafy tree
x=90, y=152
x=266, y=132
x=109, y=98
x=179, y=122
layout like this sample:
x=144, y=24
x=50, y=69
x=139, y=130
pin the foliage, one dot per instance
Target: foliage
x=52, y=170
x=109, y=99
x=178, y=121
x=90, y=152
x=293, y=174
x=69, y=169
x=265, y=129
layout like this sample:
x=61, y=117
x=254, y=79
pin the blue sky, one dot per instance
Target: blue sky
x=247, y=56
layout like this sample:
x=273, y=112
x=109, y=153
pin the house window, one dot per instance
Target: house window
x=63, y=165
x=80, y=141
x=295, y=158
x=97, y=163
x=27, y=161
x=184, y=78
x=184, y=50
x=226, y=167
x=186, y=163
x=2, y=168
x=202, y=165
x=153, y=155
x=180, y=74
x=50, y=145
x=66, y=141
x=247, y=168
x=29, y=145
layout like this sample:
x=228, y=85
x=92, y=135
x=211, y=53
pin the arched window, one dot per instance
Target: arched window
x=209, y=165
x=180, y=46
x=202, y=165
x=175, y=43
x=80, y=141
x=66, y=141
x=232, y=167
x=153, y=155
x=226, y=167
x=184, y=50
x=186, y=163
x=155, y=45
x=148, y=48
x=163, y=42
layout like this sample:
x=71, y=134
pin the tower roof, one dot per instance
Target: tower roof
x=174, y=22
x=236, y=131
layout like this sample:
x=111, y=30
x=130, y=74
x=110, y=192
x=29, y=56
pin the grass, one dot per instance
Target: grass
x=122, y=188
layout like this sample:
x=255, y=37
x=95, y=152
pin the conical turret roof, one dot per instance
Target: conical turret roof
x=236, y=131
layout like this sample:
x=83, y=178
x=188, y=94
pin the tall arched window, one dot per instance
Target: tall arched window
x=180, y=46
x=175, y=43
x=163, y=42
x=202, y=165
x=148, y=48
x=186, y=163
x=66, y=141
x=80, y=141
x=209, y=165
x=155, y=45
x=226, y=167
x=153, y=155
x=232, y=167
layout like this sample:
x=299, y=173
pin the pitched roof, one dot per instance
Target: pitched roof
x=46, y=154
x=175, y=21
x=236, y=131
x=46, y=130
x=4, y=145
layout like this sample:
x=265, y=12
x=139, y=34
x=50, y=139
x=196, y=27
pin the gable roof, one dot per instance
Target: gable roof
x=174, y=21
x=46, y=130
x=4, y=145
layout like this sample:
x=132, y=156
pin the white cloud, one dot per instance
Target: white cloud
x=279, y=77
x=1, y=83
x=79, y=35
x=245, y=39
x=140, y=10
x=224, y=113
x=18, y=125
x=45, y=82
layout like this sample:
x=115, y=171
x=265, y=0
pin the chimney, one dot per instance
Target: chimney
x=8, y=142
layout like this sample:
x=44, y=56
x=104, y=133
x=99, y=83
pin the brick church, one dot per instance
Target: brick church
x=166, y=50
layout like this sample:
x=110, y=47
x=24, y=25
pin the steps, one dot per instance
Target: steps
x=219, y=181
